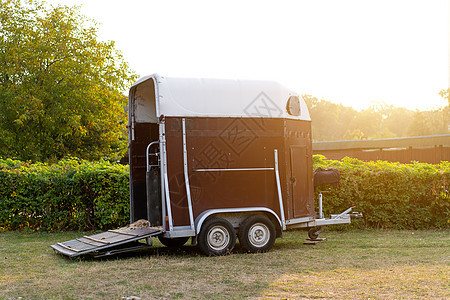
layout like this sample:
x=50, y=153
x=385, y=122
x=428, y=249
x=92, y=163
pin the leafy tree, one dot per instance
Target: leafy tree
x=60, y=87
x=398, y=121
x=383, y=111
x=445, y=94
x=383, y=134
x=329, y=120
x=355, y=134
x=419, y=125
x=368, y=121
x=332, y=121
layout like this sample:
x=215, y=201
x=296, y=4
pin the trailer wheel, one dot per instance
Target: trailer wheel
x=314, y=232
x=217, y=237
x=257, y=234
x=174, y=242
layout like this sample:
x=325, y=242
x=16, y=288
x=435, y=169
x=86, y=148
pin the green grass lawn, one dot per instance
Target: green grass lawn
x=356, y=264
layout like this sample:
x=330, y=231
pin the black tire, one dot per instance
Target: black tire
x=314, y=232
x=257, y=234
x=174, y=242
x=217, y=237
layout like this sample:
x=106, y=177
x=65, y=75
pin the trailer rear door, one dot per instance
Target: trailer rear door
x=300, y=181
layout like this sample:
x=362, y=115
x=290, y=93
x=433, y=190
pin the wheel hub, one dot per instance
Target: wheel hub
x=218, y=238
x=259, y=234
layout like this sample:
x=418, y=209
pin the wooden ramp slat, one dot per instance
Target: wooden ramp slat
x=103, y=241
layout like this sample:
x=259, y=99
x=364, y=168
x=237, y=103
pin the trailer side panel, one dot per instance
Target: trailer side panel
x=231, y=163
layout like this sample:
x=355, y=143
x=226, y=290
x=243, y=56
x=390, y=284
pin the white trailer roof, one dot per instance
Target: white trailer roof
x=199, y=97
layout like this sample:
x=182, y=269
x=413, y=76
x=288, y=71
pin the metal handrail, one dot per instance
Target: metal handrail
x=147, y=154
x=280, y=197
x=186, y=176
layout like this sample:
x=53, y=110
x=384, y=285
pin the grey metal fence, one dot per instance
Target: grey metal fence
x=427, y=149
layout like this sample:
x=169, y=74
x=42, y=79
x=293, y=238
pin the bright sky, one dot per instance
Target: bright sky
x=348, y=51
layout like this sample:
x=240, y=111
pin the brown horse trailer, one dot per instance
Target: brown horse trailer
x=215, y=160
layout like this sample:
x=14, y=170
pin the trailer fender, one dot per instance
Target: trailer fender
x=204, y=215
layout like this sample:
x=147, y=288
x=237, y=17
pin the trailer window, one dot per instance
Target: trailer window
x=293, y=106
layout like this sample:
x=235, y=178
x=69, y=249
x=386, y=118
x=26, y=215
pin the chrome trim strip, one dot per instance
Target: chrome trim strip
x=319, y=222
x=186, y=176
x=299, y=220
x=239, y=169
x=169, y=210
x=133, y=122
x=163, y=171
x=280, y=197
x=202, y=217
x=156, y=81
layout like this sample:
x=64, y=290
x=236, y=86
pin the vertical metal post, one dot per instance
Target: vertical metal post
x=132, y=127
x=147, y=160
x=320, y=206
x=186, y=177
x=169, y=209
x=280, y=197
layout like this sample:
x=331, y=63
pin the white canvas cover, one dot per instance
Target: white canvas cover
x=199, y=97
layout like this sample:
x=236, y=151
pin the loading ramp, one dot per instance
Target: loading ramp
x=110, y=242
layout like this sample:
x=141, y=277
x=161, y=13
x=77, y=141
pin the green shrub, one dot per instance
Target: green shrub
x=80, y=195
x=391, y=195
x=70, y=195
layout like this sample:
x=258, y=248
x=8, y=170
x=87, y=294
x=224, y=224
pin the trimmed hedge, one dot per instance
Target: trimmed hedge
x=70, y=195
x=80, y=195
x=391, y=195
